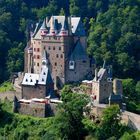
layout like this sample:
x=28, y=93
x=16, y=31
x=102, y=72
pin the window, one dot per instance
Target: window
x=34, y=49
x=37, y=64
x=59, y=48
x=61, y=55
x=54, y=48
x=49, y=48
x=84, y=61
x=38, y=49
x=38, y=56
x=71, y=65
x=55, y=64
x=57, y=55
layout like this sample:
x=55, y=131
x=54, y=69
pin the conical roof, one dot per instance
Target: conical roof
x=43, y=27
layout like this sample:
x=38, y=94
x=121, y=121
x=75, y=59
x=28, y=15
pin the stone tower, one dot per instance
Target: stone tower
x=102, y=85
x=64, y=41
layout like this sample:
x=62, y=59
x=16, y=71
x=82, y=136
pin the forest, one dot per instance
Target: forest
x=71, y=122
x=112, y=26
x=113, y=34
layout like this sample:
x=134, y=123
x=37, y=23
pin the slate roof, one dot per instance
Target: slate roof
x=42, y=78
x=45, y=76
x=78, y=52
x=114, y=97
x=30, y=79
x=100, y=74
x=60, y=22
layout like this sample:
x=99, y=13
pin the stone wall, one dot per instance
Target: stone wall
x=37, y=109
x=34, y=109
x=29, y=92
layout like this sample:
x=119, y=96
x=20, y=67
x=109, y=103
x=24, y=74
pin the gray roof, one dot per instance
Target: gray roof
x=43, y=78
x=114, y=97
x=59, y=23
x=78, y=52
x=100, y=74
x=43, y=25
x=30, y=79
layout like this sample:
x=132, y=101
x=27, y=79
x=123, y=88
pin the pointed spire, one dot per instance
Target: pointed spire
x=44, y=59
x=52, y=26
x=43, y=25
x=64, y=31
x=104, y=65
x=43, y=28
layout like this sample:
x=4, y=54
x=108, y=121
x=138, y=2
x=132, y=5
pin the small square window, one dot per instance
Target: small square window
x=38, y=56
x=38, y=49
x=61, y=55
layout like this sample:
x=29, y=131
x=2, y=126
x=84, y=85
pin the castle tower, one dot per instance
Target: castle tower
x=64, y=40
x=43, y=29
x=102, y=85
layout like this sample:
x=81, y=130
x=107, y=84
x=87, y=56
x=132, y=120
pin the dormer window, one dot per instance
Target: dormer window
x=71, y=65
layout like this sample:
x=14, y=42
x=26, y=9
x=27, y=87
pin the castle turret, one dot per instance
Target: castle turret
x=44, y=58
x=53, y=30
x=43, y=29
x=64, y=29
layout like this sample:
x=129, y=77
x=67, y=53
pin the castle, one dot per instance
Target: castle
x=103, y=88
x=64, y=42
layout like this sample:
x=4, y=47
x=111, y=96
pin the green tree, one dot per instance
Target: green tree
x=68, y=121
x=110, y=123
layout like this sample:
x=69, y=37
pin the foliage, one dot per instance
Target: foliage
x=70, y=112
x=133, y=136
x=132, y=94
x=6, y=86
x=110, y=123
x=113, y=36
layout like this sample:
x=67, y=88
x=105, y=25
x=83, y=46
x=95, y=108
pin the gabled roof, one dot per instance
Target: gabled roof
x=30, y=79
x=78, y=52
x=43, y=78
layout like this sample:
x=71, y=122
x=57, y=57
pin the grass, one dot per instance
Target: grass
x=14, y=126
x=6, y=86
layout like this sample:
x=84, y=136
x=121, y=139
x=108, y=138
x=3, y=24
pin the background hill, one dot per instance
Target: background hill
x=113, y=30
